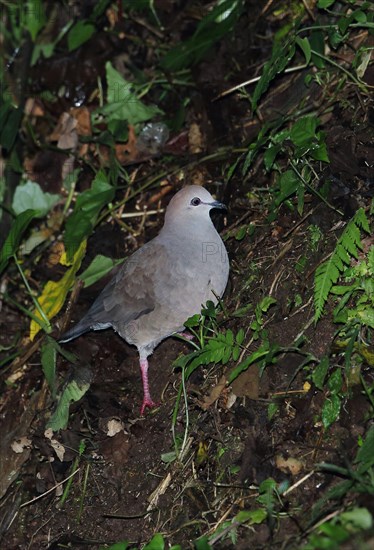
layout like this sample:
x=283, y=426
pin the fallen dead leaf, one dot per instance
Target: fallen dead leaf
x=19, y=445
x=114, y=426
x=292, y=465
x=214, y=394
x=247, y=384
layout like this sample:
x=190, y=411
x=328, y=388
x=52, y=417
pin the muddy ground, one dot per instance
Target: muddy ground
x=121, y=488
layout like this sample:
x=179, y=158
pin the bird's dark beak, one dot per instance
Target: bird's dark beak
x=217, y=204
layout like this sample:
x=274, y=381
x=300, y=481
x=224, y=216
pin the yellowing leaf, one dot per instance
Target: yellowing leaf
x=54, y=293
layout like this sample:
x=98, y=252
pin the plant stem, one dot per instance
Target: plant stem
x=46, y=325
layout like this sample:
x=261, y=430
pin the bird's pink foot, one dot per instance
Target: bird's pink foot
x=147, y=403
x=147, y=399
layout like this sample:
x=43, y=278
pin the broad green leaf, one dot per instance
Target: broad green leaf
x=79, y=34
x=48, y=360
x=31, y=195
x=13, y=239
x=335, y=382
x=288, y=184
x=266, y=303
x=54, y=293
x=335, y=533
x=35, y=17
x=202, y=544
x=360, y=518
x=73, y=392
x=251, y=517
x=88, y=206
x=122, y=101
x=42, y=50
x=365, y=455
x=331, y=410
x=157, y=543
x=366, y=316
x=100, y=266
x=320, y=372
x=323, y=4
x=303, y=131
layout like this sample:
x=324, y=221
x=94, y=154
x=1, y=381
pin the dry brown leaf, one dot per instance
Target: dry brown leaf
x=247, y=384
x=214, y=394
x=292, y=465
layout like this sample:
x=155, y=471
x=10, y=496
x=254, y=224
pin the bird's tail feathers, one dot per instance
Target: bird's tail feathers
x=77, y=330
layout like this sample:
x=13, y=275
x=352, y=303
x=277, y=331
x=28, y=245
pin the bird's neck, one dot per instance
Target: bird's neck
x=192, y=231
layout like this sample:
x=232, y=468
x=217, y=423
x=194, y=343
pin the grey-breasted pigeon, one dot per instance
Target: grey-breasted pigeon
x=164, y=282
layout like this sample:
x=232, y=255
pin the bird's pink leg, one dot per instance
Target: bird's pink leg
x=147, y=399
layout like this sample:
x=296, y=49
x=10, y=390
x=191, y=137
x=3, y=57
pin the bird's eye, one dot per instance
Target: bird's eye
x=195, y=201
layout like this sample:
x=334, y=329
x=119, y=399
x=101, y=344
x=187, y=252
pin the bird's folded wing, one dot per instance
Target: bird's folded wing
x=131, y=293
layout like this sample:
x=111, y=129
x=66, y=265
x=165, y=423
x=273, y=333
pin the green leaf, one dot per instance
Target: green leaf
x=48, y=360
x=252, y=358
x=240, y=336
x=288, y=184
x=88, y=206
x=304, y=45
x=35, y=17
x=320, y=372
x=281, y=56
x=251, y=517
x=331, y=410
x=157, y=543
x=100, y=266
x=270, y=156
x=359, y=518
x=30, y=195
x=168, y=458
x=303, y=131
x=202, y=544
x=10, y=120
x=13, y=239
x=122, y=102
x=317, y=44
x=335, y=382
x=266, y=303
x=215, y=25
x=366, y=316
x=348, y=245
x=365, y=455
x=79, y=34
x=73, y=392
x=324, y=4
x=241, y=233
x=273, y=408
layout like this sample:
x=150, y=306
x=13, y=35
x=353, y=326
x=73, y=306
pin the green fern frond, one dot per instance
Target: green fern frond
x=347, y=247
